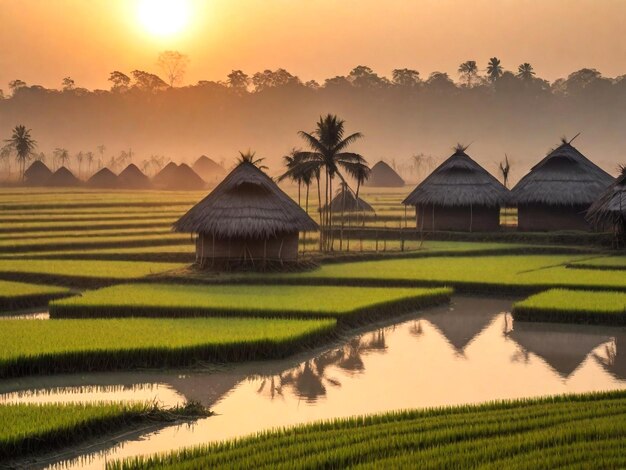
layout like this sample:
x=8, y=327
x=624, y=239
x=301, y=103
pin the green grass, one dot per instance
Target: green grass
x=30, y=429
x=493, y=274
x=578, y=431
x=173, y=300
x=14, y=295
x=604, y=263
x=573, y=306
x=57, y=346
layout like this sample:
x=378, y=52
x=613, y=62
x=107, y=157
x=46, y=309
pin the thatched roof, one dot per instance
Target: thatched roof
x=178, y=177
x=133, y=178
x=563, y=178
x=63, y=178
x=104, y=178
x=383, y=176
x=610, y=208
x=208, y=169
x=459, y=181
x=346, y=201
x=247, y=203
x=37, y=174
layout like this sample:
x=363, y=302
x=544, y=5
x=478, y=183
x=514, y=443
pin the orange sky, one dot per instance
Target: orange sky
x=42, y=41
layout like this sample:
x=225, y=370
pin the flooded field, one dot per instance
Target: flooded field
x=467, y=352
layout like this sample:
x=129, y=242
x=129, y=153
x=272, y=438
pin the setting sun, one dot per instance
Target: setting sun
x=163, y=17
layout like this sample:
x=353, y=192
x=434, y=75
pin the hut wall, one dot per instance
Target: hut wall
x=457, y=219
x=283, y=247
x=546, y=218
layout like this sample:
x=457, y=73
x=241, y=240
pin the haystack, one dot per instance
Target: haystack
x=178, y=177
x=460, y=195
x=346, y=201
x=608, y=212
x=383, y=176
x=558, y=191
x=209, y=170
x=133, y=178
x=63, y=178
x=37, y=174
x=246, y=218
x=104, y=178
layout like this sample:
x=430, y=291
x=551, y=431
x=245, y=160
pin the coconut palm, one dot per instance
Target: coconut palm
x=293, y=171
x=525, y=71
x=328, y=155
x=89, y=157
x=494, y=69
x=61, y=156
x=468, y=71
x=23, y=145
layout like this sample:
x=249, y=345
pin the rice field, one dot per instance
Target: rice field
x=171, y=300
x=46, y=347
x=603, y=263
x=573, y=306
x=32, y=429
x=14, y=295
x=579, y=431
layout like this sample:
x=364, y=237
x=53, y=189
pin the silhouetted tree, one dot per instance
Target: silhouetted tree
x=148, y=81
x=505, y=168
x=15, y=85
x=494, y=69
x=441, y=82
x=174, y=65
x=238, y=80
x=89, y=157
x=68, y=84
x=525, y=71
x=119, y=81
x=406, y=78
x=364, y=77
x=61, y=156
x=468, y=71
x=23, y=145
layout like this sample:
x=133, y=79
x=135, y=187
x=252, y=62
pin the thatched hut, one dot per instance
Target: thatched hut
x=133, y=178
x=63, y=178
x=246, y=219
x=557, y=192
x=609, y=211
x=37, y=174
x=383, y=176
x=104, y=179
x=346, y=201
x=208, y=170
x=460, y=195
x=178, y=177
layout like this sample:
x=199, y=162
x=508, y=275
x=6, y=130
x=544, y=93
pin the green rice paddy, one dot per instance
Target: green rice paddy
x=18, y=294
x=605, y=262
x=577, y=431
x=573, y=306
x=171, y=300
x=44, y=347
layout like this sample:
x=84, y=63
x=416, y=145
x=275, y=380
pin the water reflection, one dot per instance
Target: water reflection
x=467, y=352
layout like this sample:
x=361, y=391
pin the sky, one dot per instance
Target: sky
x=42, y=41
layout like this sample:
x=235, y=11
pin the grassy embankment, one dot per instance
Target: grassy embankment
x=31, y=429
x=45, y=347
x=573, y=306
x=16, y=295
x=603, y=263
x=346, y=304
x=579, y=431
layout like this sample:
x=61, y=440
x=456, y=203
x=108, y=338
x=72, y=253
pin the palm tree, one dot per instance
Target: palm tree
x=294, y=172
x=250, y=157
x=525, y=71
x=89, y=156
x=79, y=158
x=328, y=154
x=23, y=145
x=505, y=168
x=468, y=71
x=494, y=69
x=62, y=156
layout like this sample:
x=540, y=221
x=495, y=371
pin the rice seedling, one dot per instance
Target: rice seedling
x=58, y=346
x=573, y=306
x=31, y=429
x=171, y=300
x=571, y=430
x=102, y=241
x=605, y=262
x=14, y=295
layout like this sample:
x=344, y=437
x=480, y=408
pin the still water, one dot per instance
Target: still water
x=467, y=352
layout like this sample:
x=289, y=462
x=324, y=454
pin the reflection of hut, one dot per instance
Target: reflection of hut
x=383, y=176
x=37, y=174
x=346, y=201
x=459, y=195
x=133, y=178
x=615, y=360
x=460, y=327
x=563, y=347
x=246, y=218
x=558, y=191
x=63, y=178
x=178, y=177
x=208, y=170
x=609, y=211
x=104, y=178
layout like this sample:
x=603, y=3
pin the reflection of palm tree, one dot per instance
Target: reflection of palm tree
x=416, y=329
x=615, y=360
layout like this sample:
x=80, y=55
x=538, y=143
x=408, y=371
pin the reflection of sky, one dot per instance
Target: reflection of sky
x=471, y=353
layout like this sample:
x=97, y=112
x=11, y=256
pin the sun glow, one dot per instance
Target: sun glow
x=164, y=17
